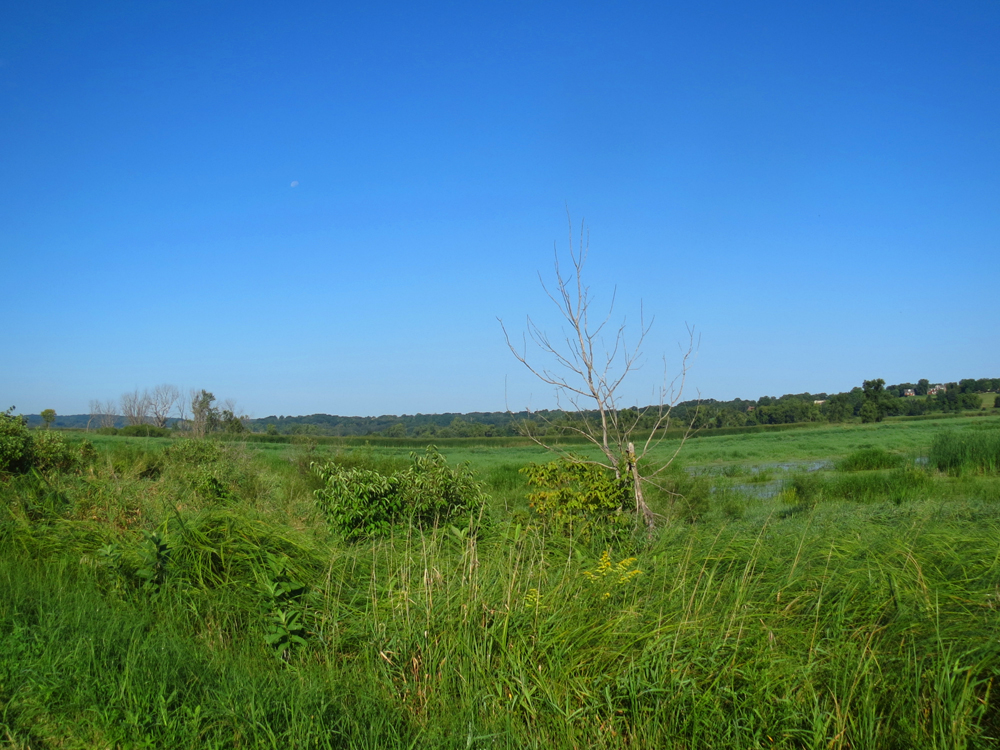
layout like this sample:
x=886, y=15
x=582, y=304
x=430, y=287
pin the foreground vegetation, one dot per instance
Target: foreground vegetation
x=185, y=593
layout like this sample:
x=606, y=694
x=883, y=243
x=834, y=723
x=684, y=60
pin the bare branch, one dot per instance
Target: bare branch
x=161, y=403
x=588, y=375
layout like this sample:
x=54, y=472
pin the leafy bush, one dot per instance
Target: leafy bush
x=567, y=491
x=870, y=459
x=363, y=502
x=433, y=491
x=16, y=445
x=51, y=452
x=44, y=450
x=359, y=502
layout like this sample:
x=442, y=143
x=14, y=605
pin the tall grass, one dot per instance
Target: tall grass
x=967, y=451
x=870, y=459
x=844, y=625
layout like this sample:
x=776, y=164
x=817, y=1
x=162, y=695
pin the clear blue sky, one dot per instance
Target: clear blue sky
x=324, y=207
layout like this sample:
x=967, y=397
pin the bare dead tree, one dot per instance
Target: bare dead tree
x=182, y=420
x=95, y=412
x=135, y=407
x=587, y=369
x=161, y=403
x=104, y=413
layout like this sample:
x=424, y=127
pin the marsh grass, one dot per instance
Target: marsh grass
x=870, y=459
x=853, y=622
x=968, y=451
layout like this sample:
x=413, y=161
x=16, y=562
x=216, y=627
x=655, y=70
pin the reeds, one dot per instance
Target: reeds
x=969, y=451
x=870, y=459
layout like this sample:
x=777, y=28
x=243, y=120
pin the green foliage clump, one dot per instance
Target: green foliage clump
x=50, y=452
x=22, y=451
x=571, y=492
x=285, y=609
x=870, y=459
x=975, y=451
x=16, y=445
x=361, y=502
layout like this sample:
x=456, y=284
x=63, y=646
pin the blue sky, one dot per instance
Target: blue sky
x=320, y=207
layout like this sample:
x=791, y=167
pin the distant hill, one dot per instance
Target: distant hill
x=904, y=399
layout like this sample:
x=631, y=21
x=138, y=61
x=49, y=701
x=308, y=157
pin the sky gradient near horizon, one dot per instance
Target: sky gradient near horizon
x=324, y=208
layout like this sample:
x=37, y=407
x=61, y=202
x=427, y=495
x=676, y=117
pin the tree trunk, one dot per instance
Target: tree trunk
x=640, y=503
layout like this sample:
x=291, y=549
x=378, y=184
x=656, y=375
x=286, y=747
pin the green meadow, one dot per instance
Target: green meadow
x=824, y=587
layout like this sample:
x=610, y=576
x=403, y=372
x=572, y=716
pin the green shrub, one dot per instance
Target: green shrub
x=363, y=503
x=22, y=450
x=359, y=502
x=433, y=491
x=107, y=430
x=870, y=459
x=16, y=445
x=567, y=491
x=51, y=452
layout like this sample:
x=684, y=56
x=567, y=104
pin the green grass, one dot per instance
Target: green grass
x=968, y=451
x=858, y=608
x=868, y=459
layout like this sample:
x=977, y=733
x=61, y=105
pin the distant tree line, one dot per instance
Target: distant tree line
x=158, y=411
x=164, y=409
x=870, y=402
